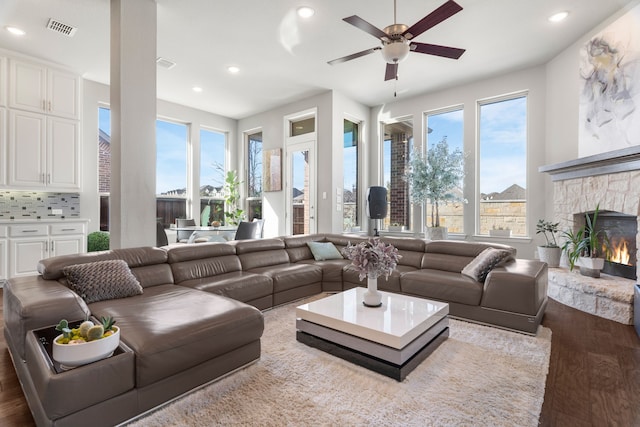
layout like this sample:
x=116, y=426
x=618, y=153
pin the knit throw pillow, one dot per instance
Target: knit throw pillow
x=102, y=280
x=480, y=267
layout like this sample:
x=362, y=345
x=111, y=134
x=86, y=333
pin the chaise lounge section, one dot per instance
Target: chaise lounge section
x=198, y=317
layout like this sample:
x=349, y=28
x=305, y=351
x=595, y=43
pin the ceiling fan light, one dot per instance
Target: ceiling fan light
x=395, y=52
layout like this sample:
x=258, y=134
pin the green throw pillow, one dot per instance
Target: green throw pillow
x=323, y=251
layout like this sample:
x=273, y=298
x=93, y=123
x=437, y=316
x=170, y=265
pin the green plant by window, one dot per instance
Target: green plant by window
x=233, y=213
x=98, y=241
x=434, y=177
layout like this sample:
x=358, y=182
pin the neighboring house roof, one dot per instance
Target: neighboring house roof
x=514, y=192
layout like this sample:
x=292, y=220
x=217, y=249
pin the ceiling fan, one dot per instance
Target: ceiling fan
x=397, y=38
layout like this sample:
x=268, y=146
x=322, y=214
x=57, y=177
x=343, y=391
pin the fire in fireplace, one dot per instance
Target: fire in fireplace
x=621, y=230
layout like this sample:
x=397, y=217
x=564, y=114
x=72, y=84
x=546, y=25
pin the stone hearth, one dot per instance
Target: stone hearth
x=610, y=297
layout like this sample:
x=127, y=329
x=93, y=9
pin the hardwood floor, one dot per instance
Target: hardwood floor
x=594, y=374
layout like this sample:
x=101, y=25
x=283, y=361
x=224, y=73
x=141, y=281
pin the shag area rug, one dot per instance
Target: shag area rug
x=480, y=376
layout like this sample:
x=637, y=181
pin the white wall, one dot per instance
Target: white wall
x=95, y=95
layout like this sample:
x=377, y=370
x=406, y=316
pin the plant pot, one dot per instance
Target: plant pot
x=397, y=228
x=550, y=255
x=590, y=267
x=500, y=233
x=72, y=355
x=436, y=233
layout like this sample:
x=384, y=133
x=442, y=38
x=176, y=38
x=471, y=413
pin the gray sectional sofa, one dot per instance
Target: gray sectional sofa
x=198, y=317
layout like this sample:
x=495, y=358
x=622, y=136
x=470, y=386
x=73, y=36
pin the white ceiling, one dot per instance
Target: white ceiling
x=283, y=58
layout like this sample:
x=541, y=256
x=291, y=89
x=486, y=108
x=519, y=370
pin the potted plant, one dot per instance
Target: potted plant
x=587, y=247
x=85, y=344
x=434, y=178
x=396, y=227
x=550, y=252
x=233, y=213
x=372, y=258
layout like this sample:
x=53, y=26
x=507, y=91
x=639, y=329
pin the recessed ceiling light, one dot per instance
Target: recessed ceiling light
x=15, y=31
x=233, y=69
x=197, y=89
x=560, y=16
x=306, y=12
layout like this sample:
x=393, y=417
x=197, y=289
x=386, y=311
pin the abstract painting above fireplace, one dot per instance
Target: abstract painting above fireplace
x=609, y=113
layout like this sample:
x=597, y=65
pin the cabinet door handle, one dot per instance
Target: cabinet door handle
x=52, y=246
x=44, y=104
x=68, y=229
x=48, y=178
x=42, y=178
x=29, y=231
x=49, y=105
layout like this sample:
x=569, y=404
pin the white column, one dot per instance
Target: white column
x=133, y=115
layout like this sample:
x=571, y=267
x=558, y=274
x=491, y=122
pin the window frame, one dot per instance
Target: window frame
x=249, y=198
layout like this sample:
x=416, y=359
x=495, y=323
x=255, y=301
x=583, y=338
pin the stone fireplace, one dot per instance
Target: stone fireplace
x=612, y=181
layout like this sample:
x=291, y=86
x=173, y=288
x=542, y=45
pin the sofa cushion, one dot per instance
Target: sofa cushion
x=323, y=251
x=441, y=285
x=102, y=280
x=173, y=328
x=239, y=285
x=480, y=266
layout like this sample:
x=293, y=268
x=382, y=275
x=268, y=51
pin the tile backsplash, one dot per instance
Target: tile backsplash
x=38, y=205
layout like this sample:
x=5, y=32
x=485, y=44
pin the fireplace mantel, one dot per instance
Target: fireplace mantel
x=623, y=160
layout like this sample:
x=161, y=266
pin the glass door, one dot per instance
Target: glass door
x=301, y=188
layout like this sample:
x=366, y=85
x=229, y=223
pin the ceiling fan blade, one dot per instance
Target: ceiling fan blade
x=445, y=11
x=353, y=56
x=356, y=21
x=391, y=72
x=434, y=49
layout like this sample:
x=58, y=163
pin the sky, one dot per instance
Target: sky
x=503, y=136
x=171, y=154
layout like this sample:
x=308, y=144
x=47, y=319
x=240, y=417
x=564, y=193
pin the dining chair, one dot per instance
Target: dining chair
x=246, y=230
x=183, y=236
x=161, y=235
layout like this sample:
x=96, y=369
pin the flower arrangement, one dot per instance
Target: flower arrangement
x=373, y=258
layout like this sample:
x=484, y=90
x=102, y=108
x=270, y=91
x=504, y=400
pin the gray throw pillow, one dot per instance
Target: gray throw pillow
x=323, y=251
x=102, y=280
x=480, y=267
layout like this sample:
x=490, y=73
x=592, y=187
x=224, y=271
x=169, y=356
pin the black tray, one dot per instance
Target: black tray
x=45, y=339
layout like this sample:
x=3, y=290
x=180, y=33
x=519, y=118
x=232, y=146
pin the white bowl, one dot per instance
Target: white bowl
x=80, y=354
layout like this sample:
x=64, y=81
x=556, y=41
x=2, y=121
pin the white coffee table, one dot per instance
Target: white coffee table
x=392, y=339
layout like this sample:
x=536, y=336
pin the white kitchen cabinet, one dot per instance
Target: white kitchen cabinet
x=43, y=152
x=3, y=146
x=67, y=239
x=30, y=243
x=3, y=81
x=35, y=87
x=4, y=273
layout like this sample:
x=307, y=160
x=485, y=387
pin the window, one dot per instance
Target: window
x=171, y=171
x=302, y=126
x=254, y=175
x=350, y=176
x=396, y=148
x=447, y=126
x=503, y=165
x=213, y=148
x=104, y=164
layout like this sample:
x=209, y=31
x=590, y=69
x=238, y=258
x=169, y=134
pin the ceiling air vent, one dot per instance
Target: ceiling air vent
x=165, y=63
x=59, y=27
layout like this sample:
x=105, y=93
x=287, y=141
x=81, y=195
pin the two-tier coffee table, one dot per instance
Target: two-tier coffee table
x=392, y=339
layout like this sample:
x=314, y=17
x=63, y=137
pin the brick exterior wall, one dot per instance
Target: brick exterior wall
x=104, y=165
x=399, y=189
